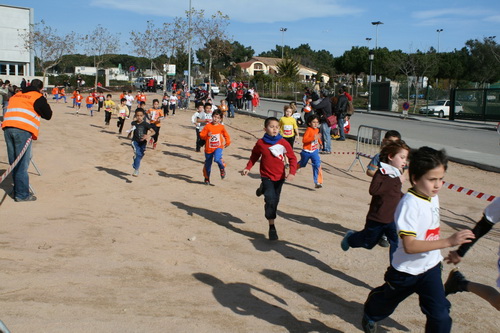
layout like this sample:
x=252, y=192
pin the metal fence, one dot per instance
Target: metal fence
x=475, y=104
x=368, y=143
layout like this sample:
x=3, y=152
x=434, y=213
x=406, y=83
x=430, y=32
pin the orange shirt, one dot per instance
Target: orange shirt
x=142, y=98
x=55, y=91
x=219, y=139
x=78, y=98
x=154, y=116
x=309, y=140
x=74, y=94
x=122, y=95
x=89, y=100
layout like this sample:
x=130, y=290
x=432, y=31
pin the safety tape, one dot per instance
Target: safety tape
x=459, y=189
x=466, y=191
x=18, y=158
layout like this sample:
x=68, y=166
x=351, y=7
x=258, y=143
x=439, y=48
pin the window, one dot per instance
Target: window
x=257, y=66
x=12, y=69
x=3, y=69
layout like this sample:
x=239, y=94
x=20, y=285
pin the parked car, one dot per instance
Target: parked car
x=441, y=108
x=213, y=87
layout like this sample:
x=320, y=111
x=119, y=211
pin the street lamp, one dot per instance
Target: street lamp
x=368, y=39
x=190, y=33
x=376, y=24
x=371, y=56
x=438, y=31
x=282, y=40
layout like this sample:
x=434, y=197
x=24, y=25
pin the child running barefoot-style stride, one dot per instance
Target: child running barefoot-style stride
x=310, y=150
x=271, y=150
x=385, y=190
x=416, y=264
x=142, y=132
x=216, y=139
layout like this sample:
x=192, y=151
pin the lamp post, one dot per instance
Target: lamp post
x=368, y=39
x=371, y=56
x=376, y=24
x=189, y=50
x=439, y=32
x=282, y=40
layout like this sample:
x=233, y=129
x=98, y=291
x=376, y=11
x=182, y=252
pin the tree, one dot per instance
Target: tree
x=47, y=45
x=211, y=33
x=482, y=63
x=288, y=69
x=100, y=44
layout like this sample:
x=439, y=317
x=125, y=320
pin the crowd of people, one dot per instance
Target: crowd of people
x=409, y=221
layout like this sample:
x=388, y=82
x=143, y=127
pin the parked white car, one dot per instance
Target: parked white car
x=213, y=87
x=441, y=108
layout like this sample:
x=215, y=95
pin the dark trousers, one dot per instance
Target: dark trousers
x=165, y=109
x=382, y=301
x=157, y=132
x=272, y=191
x=291, y=140
x=120, y=123
x=370, y=235
x=199, y=142
x=107, y=117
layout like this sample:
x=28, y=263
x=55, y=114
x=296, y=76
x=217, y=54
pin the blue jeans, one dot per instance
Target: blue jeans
x=326, y=137
x=370, y=235
x=231, y=110
x=272, y=191
x=305, y=156
x=382, y=301
x=139, y=149
x=340, y=125
x=209, y=159
x=15, y=139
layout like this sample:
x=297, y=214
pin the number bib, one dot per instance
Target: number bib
x=288, y=130
x=214, y=141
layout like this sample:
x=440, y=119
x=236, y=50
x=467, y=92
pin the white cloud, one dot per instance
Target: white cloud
x=493, y=18
x=254, y=11
x=449, y=13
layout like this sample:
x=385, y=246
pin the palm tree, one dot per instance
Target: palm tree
x=288, y=69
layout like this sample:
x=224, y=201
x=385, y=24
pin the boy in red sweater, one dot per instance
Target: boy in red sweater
x=271, y=149
x=216, y=139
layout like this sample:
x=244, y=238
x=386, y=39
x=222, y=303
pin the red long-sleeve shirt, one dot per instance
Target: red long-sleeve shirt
x=272, y=167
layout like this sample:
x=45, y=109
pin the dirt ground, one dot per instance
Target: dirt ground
x=102, y=251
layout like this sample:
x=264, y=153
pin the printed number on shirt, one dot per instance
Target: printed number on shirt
x=314, y=145
x=288, y=130
x=214, y=141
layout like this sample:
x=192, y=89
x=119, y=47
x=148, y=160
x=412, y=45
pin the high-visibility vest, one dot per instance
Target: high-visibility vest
x=21, y=113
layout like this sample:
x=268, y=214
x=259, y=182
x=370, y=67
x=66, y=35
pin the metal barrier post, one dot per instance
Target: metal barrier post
x=368, y=142
x=274, y=113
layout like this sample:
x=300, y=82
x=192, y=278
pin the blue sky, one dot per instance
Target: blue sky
x=332, y=25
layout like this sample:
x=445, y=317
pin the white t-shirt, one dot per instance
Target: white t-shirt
x=173, y=99
x=417, y=216
x=130, y=100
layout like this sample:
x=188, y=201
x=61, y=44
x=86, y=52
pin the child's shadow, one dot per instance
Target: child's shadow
x=314, y=222
x=325, y=301
x=116, y=173
x=178, y=176
x=286, y=249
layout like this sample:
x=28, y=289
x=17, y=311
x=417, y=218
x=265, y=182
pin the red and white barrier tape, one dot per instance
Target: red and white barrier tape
x=466, y=191
x=459, y=189
x=344, y=152
x=18, y=158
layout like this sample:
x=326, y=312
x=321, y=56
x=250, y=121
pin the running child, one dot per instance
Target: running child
x=374, y=164
x=416, y=264
x=109, y=106
x=164, y=103
x=216, y=138
x=90, y=103
x=385, y=190
x=310, y=150
x=173, y=102
x=123, y=113
x=155, y=115
x=78, y=101
x=271, y=150
x=288, y=126
x=142, y=132
x=196, y=123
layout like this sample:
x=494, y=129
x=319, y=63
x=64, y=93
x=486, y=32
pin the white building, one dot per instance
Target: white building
x=15, y=61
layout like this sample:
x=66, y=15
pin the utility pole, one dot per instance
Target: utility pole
x=282, y=40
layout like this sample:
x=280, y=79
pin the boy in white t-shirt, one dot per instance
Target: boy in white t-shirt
x=416, y=264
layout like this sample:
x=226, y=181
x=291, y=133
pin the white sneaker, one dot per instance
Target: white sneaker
x=136, y=173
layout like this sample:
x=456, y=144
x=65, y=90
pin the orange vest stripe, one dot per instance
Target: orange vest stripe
x=21, y=113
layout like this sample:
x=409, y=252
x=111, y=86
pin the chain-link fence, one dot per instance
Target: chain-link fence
x=476, y=104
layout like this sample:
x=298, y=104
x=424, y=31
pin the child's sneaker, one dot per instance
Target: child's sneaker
x=318, y=185
x=345, y=243
x=154, y=145
x=383, y=242
x=369, y=326
x=455, y=283
x=273, y=234
x=207, y=181
x=136, y=173
x=258, y=192
x=222, y=173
